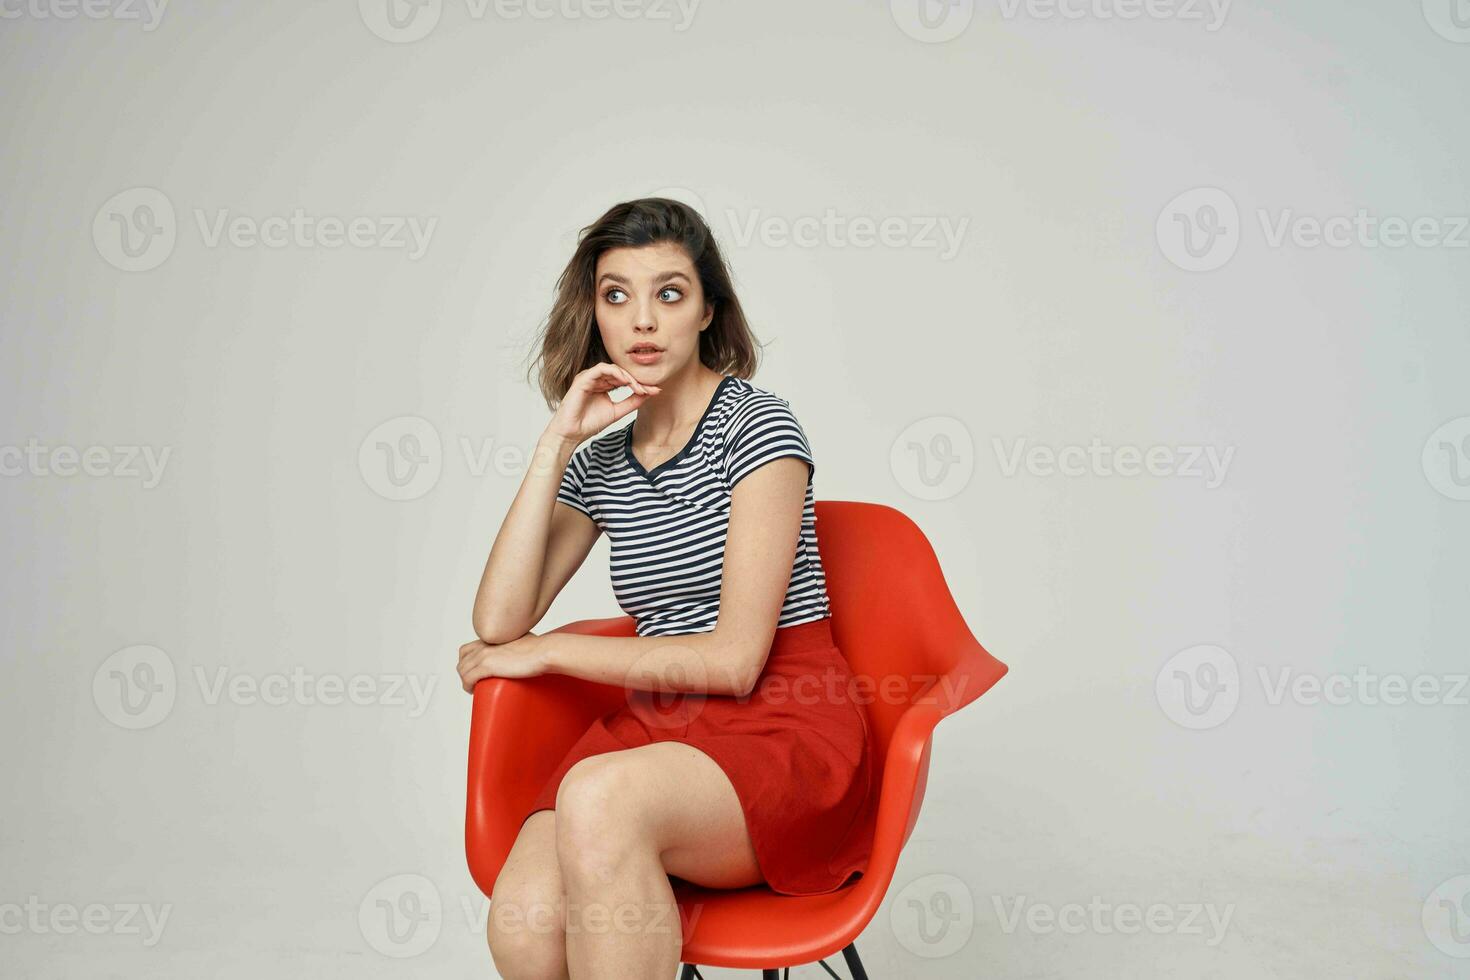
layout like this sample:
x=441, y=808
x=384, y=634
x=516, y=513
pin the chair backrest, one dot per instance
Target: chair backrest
x=894, y=618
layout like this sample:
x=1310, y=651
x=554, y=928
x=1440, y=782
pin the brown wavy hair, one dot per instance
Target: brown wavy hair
x=570, y=342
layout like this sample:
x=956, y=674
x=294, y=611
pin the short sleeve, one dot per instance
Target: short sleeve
x=572, y=480
x=762, y=430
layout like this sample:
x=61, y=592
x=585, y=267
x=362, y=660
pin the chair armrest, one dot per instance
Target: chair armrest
x=905, y=775
x=520, y=730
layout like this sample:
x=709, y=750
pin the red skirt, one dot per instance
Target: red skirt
x=796, y=750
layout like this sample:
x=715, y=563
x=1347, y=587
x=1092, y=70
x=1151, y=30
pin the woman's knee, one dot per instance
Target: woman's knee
x=599, y=827
x=525, y=933
x=526, y=927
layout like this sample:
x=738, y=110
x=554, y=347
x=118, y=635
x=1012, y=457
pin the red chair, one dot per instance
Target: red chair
x=892, y=614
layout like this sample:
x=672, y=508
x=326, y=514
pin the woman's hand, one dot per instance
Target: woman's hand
x=518, y=658
x=587, y=409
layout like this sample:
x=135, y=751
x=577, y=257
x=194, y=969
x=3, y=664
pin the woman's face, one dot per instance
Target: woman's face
x=650, y=297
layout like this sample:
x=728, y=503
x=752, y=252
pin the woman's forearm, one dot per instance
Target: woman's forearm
x=697, y=663
x=510, y=586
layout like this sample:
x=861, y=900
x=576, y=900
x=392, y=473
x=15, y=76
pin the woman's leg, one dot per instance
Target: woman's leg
x=626, y=820
x=526, y=930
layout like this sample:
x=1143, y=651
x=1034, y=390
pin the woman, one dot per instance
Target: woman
x=761, y=770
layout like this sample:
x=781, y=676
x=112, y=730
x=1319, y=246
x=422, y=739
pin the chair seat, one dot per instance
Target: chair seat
x=756, y=928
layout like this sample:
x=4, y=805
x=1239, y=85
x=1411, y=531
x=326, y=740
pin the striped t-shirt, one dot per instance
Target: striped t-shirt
x=667, y=526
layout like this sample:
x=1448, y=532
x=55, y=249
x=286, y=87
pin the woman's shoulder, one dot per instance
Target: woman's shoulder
x=747, y=402
x=601, y=449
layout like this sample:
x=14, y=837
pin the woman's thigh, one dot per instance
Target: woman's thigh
x=681, y=800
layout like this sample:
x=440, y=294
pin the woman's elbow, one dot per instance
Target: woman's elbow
x=495, y=629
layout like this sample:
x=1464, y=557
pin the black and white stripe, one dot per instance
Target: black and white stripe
x=667, y=526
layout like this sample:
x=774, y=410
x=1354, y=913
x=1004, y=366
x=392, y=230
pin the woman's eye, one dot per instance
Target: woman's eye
x=609, y=295
x=678, y=295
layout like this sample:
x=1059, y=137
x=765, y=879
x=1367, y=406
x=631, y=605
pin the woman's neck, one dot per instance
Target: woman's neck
x=678, y=407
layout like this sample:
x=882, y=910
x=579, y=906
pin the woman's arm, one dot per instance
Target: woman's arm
x=760, y=550
x=540, y=545
x=521, y=569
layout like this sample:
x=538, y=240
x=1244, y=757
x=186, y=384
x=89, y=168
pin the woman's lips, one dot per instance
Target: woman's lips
x=646, y=356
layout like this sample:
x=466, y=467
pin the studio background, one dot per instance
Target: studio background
x=964, y=232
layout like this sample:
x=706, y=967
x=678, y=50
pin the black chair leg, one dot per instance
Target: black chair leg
x=689, y=973
x=854, y=965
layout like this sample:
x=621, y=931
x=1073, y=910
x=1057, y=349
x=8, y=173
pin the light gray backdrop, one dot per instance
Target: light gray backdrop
x=1153, y=316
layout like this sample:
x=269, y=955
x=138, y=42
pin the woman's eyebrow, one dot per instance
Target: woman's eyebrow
x=661, y=277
